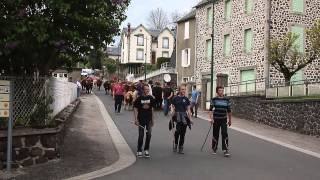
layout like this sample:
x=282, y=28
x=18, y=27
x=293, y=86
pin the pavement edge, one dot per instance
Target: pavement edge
x=126, y=156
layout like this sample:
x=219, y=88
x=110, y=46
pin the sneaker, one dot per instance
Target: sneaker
x=175, y=147
x=214, y=152
x=226, y=153
x=146, y=154
x=139, y=154
x=180, y=150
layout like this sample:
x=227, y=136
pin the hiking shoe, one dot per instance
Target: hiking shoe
x=175, y=147
x=180, y=150
x=139, y=154
x=146, y=154
x=226, y=153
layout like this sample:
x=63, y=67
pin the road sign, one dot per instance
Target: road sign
x=4, y=105
x=4, y=113
x=4, y=97
x=4, y=89
x=4, y=83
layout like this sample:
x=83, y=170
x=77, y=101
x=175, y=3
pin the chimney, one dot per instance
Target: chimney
x=129, y=29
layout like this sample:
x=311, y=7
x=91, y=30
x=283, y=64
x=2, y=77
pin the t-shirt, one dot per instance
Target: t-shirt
x=180, y=103
x=144, y=104
x=167, y=92
x=140, y=89
x=222, y=107
x=118, y=89
x=194, y=95
x=157, y=92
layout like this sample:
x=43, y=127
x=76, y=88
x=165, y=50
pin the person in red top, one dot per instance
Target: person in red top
x=118, y=96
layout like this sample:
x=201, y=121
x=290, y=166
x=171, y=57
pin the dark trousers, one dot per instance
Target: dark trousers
x=118, y=102
x=180, y=133
x=194, y=108
x=158, y=102
x=224, y=132
x=141, y=137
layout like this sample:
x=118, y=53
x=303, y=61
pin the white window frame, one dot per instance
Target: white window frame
x=140, y=50
x=187, y=79
x=140, y=40
x=163, y=45
x=185, y=62
x=165, y=52
x=186, y=30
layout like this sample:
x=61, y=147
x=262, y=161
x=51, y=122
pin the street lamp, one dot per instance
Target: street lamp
x=212, y=53
x=145, y=54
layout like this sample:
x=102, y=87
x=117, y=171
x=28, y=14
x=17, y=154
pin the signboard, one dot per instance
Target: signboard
x=4, y=98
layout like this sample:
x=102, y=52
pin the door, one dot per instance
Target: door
x=247, y=80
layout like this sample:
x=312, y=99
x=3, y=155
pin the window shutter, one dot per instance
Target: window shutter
x=298, y=30
x=298, y=6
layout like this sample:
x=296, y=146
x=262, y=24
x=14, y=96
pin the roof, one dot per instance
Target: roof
x=115, y=51
x=202, y=3
x=190, y=15
x=154, y=32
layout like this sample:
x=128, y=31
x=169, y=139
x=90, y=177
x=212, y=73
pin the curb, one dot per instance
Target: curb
x=289, y=146
x=126, y=156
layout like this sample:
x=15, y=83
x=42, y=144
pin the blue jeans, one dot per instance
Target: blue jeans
x=166, y=106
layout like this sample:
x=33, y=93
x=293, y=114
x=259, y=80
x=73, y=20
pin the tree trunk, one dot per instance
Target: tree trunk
x=287, y=80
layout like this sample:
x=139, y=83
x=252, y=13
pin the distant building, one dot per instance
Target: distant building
x=140, y=45
x=114, y=53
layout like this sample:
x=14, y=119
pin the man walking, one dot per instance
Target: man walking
x=182, y=117
x=167, y=94
x=219, y=119
x=144, y=119
x=195, y=101
x=118, y=96
x=157, y=93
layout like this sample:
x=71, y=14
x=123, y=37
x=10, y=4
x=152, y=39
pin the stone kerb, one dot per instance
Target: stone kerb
x=35, y=146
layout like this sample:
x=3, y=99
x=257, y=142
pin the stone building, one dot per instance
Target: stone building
x=185, y=49
x=243, y=29
x=140, y=45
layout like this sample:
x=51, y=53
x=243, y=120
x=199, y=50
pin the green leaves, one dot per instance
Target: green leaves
x=31, y=31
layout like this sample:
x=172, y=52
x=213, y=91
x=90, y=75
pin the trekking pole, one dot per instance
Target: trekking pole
x=132, y=122
x=206, y=137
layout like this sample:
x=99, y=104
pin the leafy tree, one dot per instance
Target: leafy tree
x=162, y=60
x=286, y=57
x=46, y=34
x=111, y=65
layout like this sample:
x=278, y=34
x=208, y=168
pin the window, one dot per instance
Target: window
x=298, y=6
x=55, y=75
x=65, y=75
x=165, y=54
x=185, y=79
x=186, y=30
x=185, y=58
x=140, y=40
x=248, y=6
x=248, y=38
x=209, y=49
x=165, y=43
x=299, y=30
x=227, y=45
x=247, y=78
x=209, y=16
x=60, y=75
x=227, y=10
x=139, y=54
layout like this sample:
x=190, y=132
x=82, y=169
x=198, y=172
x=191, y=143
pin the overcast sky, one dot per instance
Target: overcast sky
x=139, y=10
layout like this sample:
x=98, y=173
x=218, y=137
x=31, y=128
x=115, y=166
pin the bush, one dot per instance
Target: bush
x=162, y=60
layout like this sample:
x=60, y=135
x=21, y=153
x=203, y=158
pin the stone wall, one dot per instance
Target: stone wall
x=301, y=116
x=35, y=146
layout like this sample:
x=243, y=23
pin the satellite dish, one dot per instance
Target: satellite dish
x=167, y=78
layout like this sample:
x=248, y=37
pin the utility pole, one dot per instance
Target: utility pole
x=212, y=53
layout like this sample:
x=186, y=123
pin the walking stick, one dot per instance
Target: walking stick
x=206, y=137
x=139, y=126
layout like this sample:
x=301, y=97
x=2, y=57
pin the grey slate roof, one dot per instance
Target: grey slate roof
x=154, y=32
x=190, y=15
x=113, y=51
x=203, y=2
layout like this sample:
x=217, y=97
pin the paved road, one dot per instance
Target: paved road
x=252, y=158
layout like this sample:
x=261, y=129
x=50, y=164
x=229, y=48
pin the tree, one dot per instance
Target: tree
x=286, y=57
x=162, y=60
x=111, y=65
x=46, y=34
x=158, y=19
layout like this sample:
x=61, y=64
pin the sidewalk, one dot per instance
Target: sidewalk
x=300, y=142
x=87, y=146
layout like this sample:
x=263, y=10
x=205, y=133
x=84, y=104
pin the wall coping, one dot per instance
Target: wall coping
x=284, y=101
x=31, y=131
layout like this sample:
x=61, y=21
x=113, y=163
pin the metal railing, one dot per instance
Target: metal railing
x=164, y=68
x=252, y=87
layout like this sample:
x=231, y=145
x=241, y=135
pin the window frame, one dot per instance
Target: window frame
x=185, y=62
x=209, y=9
x=138, y=37
x=224, y=45
x=137, y=54
x=252, y=7
x=210, y=43
x=186, y=30
x=297, y=12
x=304, y=35
x=245, y=41
x=167, y=38
x=165, y=52
x=227, y=16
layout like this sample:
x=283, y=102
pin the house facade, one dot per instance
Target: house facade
x=141, y=45
x=243, y=29
x=185, y=49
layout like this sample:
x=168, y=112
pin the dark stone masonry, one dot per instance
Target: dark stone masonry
x=36, y=146
x=301, y=116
